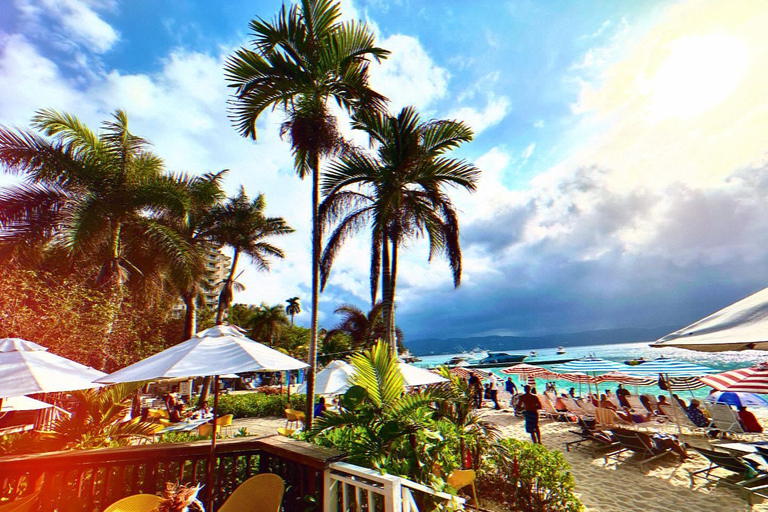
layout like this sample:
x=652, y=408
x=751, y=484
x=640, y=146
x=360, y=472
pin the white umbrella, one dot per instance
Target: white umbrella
x=213, y=352
x=415, y=376
x=740, y=326
x=23, y=403
x=332, y=380
x=27, y=368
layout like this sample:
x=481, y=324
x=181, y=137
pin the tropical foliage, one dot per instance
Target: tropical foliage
x=361, y=329
x=400, y=193
x=300, y=61
x=259, y=405
x=293, y=308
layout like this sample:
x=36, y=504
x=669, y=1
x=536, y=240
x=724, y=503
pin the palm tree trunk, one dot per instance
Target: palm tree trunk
x=316, y=248
x=190, y=314
x=225, y=296
x=115, y=280
x=386, y=288
x=393, y=284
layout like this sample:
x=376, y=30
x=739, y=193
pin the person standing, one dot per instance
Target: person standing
x=512, y=390
x=530, y=405
x=494, y=392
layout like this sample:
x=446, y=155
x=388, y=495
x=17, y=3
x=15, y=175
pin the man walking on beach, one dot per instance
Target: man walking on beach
x=512, y=390
x=530, y=405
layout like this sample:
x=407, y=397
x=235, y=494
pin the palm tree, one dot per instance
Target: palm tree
x=91, y=200
x=399, y=192
x=266, y=323
x=363, y=329
x=302, y=60
x=241, y=224
x=293, y=308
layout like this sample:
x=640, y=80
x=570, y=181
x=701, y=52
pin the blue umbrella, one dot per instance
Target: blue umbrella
x=738, y=399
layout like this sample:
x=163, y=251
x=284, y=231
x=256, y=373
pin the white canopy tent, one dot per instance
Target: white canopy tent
x=415, y=376
x=23, y=403
x=740, y=326
x=332, y=380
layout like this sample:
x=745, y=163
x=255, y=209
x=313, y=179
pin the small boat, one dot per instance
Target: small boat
x=454, y=361
x=560, y=351
x=501, y=359
x=533, y=353
x=635, y=362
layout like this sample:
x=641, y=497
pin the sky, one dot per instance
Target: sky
x=623, y=145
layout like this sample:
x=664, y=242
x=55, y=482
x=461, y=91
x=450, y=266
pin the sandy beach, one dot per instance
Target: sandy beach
x=607, y=485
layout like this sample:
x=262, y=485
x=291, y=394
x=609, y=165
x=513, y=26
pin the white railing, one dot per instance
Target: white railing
x=350, y=488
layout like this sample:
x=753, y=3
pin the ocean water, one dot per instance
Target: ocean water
x=720, y=361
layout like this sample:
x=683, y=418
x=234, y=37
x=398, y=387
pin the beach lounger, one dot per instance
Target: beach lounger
x=726, y=420
x=547, y=409
x=607, y=418
x=745, y=469
x=574, y=408
x=637, y=405
x=641, y=444
x=602, y=442
x=675, y=413
x=588, y=407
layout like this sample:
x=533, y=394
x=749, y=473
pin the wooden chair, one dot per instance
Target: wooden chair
x=135, y=503
x=264, y=490
x=294, y=417
x=461, y=478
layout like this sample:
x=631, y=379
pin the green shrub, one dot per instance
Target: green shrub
x=258, y=405
x=529, y=477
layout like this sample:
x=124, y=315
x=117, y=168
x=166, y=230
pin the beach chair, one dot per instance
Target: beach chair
x=745, y=469
x=136, y=503
x=615, y=401
x=726, y=420
x=587, y=407
x=637, y=405
x=602, y=442
x=573, y=408
x=641, y=444
x=675, y=413
x=607, y=418
x=548, y=410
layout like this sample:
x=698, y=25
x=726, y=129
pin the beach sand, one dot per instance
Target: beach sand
x=608, y=486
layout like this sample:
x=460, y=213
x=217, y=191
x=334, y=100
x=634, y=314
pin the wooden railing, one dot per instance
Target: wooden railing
x=350, y=488
x=89, y=481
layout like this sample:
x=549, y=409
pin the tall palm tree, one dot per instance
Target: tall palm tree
x=91, y=200
x=303, y=59
x=399, y=191
x=293, y=308
x=240, y=223
x=266, y=323
x=363, y=329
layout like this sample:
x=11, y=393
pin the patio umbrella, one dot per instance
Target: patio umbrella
x=738, y=399
x=28, y=368
x=526, y=370
x=724, y=380
x=590, y=365
x=466, y=373
x=213, y=352
x=332, y=380
x=755, y=382
x=740, y=326
x=23, y=403
x=623, y=378
x=415, y=376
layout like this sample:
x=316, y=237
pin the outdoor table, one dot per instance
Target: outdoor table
x=183, y=426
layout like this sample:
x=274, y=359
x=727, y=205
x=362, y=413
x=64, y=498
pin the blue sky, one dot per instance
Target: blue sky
x=623, y=145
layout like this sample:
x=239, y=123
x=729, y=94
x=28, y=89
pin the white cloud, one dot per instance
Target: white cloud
x=409, y=76
x=493, y=113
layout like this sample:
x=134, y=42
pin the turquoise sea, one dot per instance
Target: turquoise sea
x=720, y=361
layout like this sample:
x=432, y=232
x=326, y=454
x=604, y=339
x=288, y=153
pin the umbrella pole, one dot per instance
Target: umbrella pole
x=288, y=379
x=675, y=406
x=212, y=458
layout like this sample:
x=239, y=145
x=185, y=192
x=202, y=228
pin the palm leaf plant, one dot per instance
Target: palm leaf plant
x=399, y=192
x=300, y=61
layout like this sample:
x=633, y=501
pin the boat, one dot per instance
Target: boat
x=500, y=359
x=533, y=353
x=455, y=361
x=560, y=351
x=635, y=362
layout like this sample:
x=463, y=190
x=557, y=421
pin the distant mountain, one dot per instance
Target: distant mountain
x=428, y=346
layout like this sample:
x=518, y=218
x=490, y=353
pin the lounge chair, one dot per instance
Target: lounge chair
x=588, y=407
x=745, y=469
x=607, y=418
x=602, y=441
x=547, y=409
x=574, y=408
x=675, y=413
x=640, y=443
x=263, y=492
x=726, y=420
x=637, y=405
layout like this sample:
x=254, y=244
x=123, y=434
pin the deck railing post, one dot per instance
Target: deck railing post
x=330, y=492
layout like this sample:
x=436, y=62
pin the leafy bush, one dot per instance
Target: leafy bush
x=258, y=405
x=526, y=476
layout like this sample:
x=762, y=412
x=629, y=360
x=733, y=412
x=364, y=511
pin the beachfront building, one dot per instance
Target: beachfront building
x=217, y=265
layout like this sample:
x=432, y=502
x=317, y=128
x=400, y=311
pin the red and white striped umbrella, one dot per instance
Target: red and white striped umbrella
x=745, y=380
x=528, y=370
x=624, y=378
x=577, y=377
x=466, y=373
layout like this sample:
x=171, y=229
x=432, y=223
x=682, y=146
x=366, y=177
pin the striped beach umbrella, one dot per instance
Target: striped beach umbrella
x=724, y=380
x=623, y=378
x=528, y=370
x=668, y=367
x=577, y=377
x=756, y=382
x=592, y=365
x=466, y=373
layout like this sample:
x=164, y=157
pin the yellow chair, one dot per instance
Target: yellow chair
x=294, y=417
x=21, y=505
x=265, y=490
x=225, y=423
x=135, y=503
x=461, y=478
x=206, y=429
x=285, y=431
x=164, y=423
x=159, y=414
